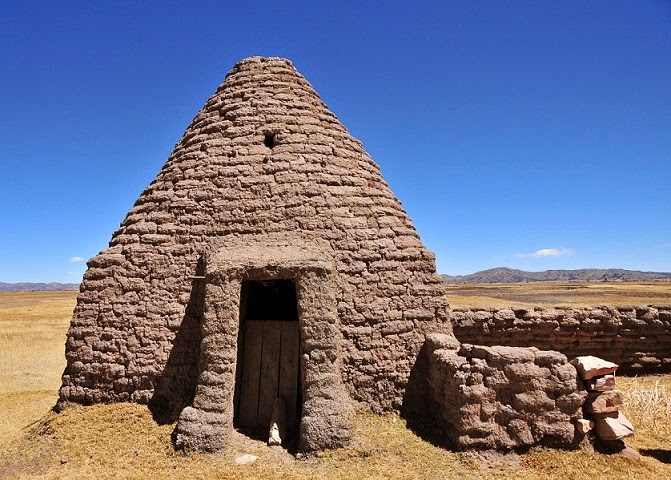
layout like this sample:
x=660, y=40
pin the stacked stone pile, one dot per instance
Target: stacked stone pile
x=603, y=404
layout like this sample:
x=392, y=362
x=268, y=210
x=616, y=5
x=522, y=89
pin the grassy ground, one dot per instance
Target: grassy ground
x=550, y=294
x=122, y=441
x=32, y=354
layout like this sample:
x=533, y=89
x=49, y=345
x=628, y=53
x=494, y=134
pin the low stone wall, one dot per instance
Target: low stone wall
x=503, y=397
x=636, y=338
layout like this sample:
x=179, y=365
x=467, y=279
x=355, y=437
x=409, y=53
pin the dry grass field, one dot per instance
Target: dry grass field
x=122, y=440
x=32, y=340
x=550, y=294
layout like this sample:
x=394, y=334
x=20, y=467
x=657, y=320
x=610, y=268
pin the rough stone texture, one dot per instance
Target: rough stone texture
x=604, y=402
x=636, y=338
x=504, y=397
x=264, y=156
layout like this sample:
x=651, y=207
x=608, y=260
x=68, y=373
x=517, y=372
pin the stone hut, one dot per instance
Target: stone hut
x=267, y=259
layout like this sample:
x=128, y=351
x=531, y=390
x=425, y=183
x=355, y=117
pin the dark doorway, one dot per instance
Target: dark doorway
x=268, y=300
x=268, y=353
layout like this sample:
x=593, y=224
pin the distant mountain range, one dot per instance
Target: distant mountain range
x=37, y=287
x=493, y=275
x=511, y=275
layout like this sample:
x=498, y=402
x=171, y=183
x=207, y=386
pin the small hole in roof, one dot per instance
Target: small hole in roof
x=269, y=141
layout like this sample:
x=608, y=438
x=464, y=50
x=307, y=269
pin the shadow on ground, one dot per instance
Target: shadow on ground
x=663, y=456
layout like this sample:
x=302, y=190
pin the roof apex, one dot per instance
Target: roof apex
x=260, y=59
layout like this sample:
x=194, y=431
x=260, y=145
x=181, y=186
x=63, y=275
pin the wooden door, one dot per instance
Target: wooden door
x=269, y=370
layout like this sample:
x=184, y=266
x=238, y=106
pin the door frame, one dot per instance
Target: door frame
x=326, y=409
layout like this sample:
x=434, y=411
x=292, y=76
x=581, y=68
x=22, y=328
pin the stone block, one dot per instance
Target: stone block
x=590, y=366
x=245, y=459
x=436, y=341
x=601, y=384
x=612, y=426
x=583, y=426
x=278, y=423
x=604, y=402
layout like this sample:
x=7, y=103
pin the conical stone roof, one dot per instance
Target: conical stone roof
x=264, y=157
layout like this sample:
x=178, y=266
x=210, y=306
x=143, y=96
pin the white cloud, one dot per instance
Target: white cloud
x=547, y=252
x=76, y=259
x=664, y=245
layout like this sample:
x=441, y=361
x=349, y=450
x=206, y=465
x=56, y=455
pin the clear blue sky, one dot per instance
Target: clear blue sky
x=533, y=135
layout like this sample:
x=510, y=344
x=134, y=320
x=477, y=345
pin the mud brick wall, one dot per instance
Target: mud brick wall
x=263, y=156
x=503, y=397
x=638, y=338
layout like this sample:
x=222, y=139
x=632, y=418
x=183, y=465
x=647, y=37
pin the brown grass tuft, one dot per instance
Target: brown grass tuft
x=647, y=404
